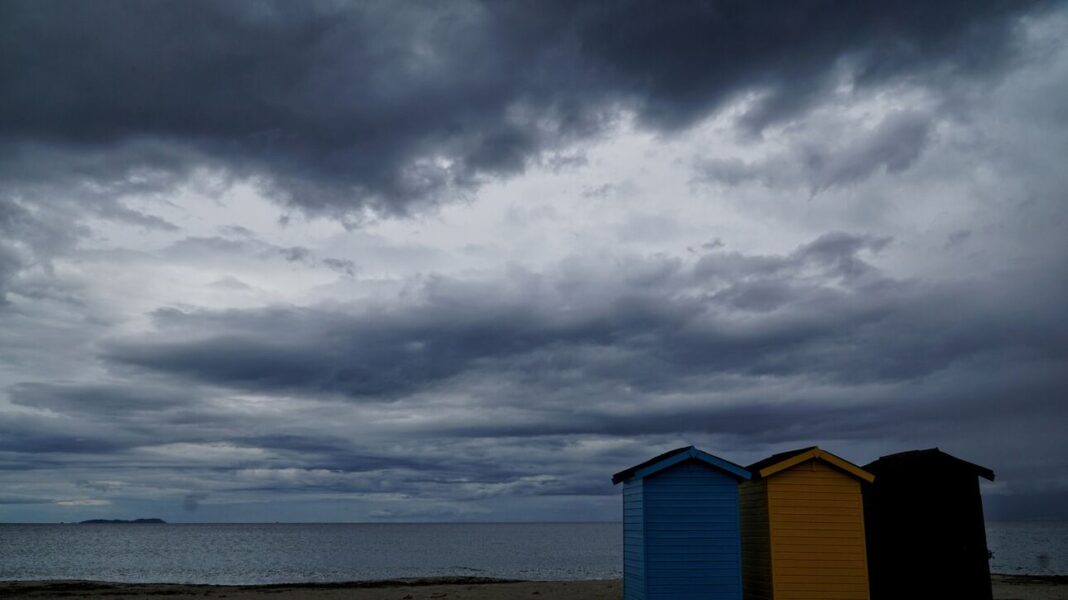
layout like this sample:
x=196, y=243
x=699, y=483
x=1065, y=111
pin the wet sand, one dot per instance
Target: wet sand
x=1015, y=587
x=455, y=588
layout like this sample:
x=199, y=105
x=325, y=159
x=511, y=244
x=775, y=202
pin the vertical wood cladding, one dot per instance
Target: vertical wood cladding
x=817, y=522
x=681, y=528
x=803, y=530
x=633, y=540
x=692, y=539
x=756, y=540
x=925, y=514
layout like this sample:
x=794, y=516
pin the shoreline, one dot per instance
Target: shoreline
x=1021, y=587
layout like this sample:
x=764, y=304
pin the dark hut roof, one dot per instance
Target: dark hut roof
x=928, y=458
x=676, y=456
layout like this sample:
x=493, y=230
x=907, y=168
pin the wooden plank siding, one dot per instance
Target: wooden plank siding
x=924, y=515
x=756, y=540
x=803, y=534
x=692, y=534
x=816, y=516
x=633, y=540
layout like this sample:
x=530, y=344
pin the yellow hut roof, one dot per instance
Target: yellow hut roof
x=784, y=460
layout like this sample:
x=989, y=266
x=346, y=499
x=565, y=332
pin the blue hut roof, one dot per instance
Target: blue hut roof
x=676, y=456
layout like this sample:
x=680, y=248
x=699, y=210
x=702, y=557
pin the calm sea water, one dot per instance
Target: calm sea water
x=253, y=553
x=274, y=553
x=1028, y=548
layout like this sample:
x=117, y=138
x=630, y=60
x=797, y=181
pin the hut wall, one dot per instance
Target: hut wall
x=928, y=524
x=817, y=534
x=692, y=541
x=976, y=567
x=633, y=540
x=756, y=540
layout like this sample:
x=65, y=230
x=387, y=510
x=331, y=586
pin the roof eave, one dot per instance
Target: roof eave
x=690, y=454
x=977, y=470
x=818, y=454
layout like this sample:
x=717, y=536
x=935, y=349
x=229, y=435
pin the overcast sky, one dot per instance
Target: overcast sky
x=379, y=261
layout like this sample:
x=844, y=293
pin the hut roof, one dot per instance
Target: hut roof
x=784, y=460
x=930, y=458
x=676, y=456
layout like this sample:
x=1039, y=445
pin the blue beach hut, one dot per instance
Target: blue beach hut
x=681, y=536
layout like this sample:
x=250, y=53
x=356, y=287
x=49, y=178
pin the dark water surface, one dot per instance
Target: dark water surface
x=1039, y=548
x=275, y=553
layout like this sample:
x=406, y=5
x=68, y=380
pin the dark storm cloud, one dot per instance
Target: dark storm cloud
x=821, y=162
x=676, y=319
x=893, y=146
x=342, y=455
x=759, y=421
x=28, y=237
x=33, y=434
x=337, y=106
x=97, y=399
x=191, y=502
x=755, y=351
x=723, y=324
x=211, y=249
x=409, y=393
x=43, y=215
x=23, y=500
x=117, y=212
x=100, y=420
x=10, y=265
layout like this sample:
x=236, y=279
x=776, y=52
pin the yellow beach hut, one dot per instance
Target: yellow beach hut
x=802, y=521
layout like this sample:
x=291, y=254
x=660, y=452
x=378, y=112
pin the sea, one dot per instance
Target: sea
x=321, y=552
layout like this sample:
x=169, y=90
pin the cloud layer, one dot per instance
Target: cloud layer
x=463, y=261
x=339, y=108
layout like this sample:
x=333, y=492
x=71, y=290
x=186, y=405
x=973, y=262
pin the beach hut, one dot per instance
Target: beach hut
x=925, y=523
x=680, y=527
x=803, y=528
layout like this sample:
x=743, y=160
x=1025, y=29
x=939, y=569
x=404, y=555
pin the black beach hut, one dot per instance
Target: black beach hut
x=924, y=522
x=681, y=536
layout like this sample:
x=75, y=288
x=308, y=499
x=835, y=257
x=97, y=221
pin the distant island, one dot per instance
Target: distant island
x=122, y=522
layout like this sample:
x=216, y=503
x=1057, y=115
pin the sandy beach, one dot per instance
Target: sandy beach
x=1005, y=588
